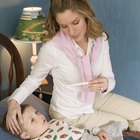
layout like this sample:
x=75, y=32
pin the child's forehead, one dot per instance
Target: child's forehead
x=29, y=109
x=28, y=112
x=26, y=116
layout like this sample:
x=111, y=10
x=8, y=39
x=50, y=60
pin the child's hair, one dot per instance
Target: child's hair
x=23, y=107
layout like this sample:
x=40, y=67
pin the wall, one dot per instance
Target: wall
x=120, y=18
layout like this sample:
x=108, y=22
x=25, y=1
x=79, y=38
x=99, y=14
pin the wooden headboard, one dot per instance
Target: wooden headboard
x=15, y=62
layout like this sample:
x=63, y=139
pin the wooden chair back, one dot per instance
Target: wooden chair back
x=16, y=65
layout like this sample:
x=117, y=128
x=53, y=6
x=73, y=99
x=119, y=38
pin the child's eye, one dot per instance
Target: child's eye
x=32, y=120
x=36, y=112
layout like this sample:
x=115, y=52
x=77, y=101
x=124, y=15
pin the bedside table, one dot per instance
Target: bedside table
x=44, y=92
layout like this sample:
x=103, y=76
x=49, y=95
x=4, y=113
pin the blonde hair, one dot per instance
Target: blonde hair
x=94, y=27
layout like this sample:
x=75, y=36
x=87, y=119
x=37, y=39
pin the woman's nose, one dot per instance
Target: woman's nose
x=71, y=31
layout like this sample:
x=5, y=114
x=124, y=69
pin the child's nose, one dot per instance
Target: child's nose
x=39, y=118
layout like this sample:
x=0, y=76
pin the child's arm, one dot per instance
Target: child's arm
x=100, y=133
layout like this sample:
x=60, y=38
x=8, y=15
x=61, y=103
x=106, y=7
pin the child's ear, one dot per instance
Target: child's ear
x=24, y=135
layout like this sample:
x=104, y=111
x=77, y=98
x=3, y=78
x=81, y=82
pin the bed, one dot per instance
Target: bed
x=43, y=108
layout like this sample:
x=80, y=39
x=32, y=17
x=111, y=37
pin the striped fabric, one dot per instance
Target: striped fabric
x=131, y=134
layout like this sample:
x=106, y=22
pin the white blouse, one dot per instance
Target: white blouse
x=65, y=99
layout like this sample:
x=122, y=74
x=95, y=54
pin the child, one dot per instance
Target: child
x=36, y=127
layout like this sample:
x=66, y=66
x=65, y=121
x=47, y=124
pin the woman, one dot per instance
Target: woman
x=78, y=52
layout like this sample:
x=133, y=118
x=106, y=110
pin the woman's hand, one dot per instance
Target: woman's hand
x=100, y=84
x=13, y=116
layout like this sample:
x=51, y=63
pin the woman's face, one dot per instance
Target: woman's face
x=73, y=24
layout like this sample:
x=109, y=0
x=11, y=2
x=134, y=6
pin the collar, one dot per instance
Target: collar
x=79, y=50
x=41, y=136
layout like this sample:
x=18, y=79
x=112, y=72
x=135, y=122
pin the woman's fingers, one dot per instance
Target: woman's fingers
x=98, y=85
x=20, y=116
x=13, y=124
x=13, y=117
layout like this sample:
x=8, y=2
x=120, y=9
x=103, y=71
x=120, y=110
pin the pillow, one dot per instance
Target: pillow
x=3, y=107
x=4, y=135
x=32, y=100
x=114, y=130
x=40, y=105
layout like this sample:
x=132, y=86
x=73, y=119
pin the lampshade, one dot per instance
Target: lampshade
x=31, y=25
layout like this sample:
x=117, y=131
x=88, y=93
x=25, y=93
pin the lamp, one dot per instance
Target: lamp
x=31, y=29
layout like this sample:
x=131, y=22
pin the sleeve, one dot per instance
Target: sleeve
x=41, y=69
x=95, y=130
x=107, y=67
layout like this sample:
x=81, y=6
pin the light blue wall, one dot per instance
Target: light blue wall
x=121, y=18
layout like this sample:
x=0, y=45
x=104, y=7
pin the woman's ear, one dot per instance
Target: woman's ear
x=24, y=135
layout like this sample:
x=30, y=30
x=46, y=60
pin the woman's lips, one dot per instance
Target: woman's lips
x=76, y=36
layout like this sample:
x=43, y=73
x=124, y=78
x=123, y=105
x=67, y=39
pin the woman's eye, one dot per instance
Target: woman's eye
x=76, y=22
x=63, y=26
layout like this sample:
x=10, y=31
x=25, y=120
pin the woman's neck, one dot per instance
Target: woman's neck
x=83, y=44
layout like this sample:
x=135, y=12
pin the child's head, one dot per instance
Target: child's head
x=34, y=123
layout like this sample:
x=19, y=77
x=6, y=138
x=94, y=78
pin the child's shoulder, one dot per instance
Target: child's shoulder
x=57, y=122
